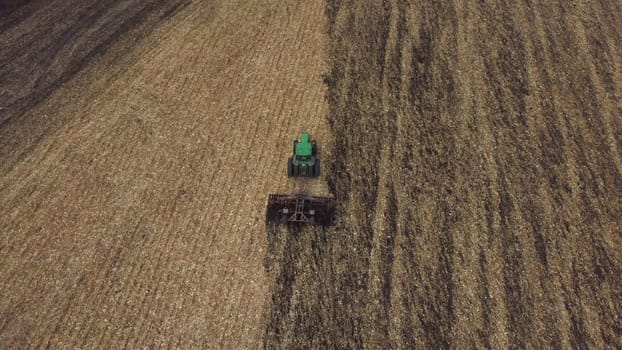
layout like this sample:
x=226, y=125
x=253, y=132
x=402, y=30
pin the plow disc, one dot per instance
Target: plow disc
x=299, y=209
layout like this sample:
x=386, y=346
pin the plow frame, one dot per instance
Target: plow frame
x=300, y=209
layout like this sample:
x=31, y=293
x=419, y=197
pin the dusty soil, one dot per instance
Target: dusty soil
x=473, y=149
x=477, y=164
x=132, y=193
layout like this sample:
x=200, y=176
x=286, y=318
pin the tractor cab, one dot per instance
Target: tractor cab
x=303, y=149
x=303, y=162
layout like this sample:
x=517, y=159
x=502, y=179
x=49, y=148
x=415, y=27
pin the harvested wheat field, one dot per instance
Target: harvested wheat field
x=132, y=195
x=473, y=150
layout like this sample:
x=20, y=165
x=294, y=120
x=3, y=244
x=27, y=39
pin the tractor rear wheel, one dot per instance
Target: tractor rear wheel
x=290, y=168
x=316, y=168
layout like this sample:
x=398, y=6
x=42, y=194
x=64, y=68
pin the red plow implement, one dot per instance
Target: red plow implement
x=299, y=209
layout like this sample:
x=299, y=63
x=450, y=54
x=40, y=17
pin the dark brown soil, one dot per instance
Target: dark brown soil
x=477, y=166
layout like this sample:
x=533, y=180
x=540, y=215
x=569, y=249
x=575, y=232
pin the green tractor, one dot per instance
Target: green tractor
x=300, y=208
x=304, y=162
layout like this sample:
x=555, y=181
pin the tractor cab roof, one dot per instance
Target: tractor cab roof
x=304, y=148
x=304, y=138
